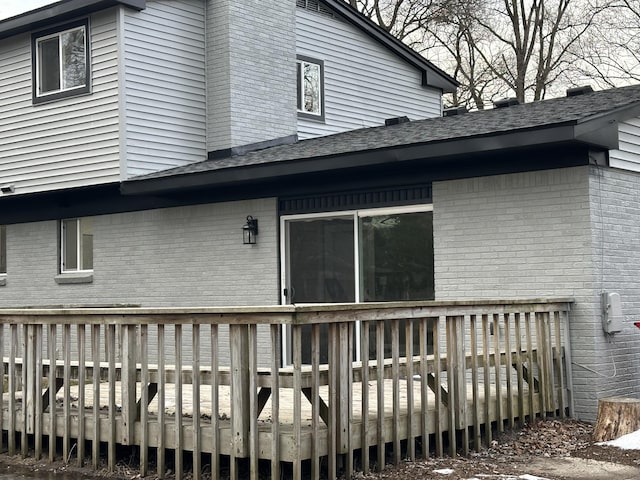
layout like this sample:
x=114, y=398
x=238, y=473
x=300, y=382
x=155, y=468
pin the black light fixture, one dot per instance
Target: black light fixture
x=250, y=231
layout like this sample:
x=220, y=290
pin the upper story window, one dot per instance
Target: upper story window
x=310, y=88
x=61, y=66
x=3, y=249
x=77, y=245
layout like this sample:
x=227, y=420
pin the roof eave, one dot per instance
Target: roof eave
x=602, y=129
x=431, y=152
x=59, y=12
x=432, y=76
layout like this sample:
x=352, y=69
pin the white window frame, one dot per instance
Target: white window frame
x=79, y=232
x=301, y=61
x=62, y=92
x=3, y=248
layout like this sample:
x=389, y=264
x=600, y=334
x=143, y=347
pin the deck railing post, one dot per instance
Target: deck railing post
x=344, y=388
x=566, y=333
x=239, y=342
x=129, y=406
x=30, y=390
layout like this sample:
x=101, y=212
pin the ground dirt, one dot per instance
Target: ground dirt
x=549, y=449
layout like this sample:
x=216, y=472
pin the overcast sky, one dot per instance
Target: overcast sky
x=9, y=8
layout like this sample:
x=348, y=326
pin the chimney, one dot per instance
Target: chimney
x=506, y=102
x=256, y=36
x=575, y=91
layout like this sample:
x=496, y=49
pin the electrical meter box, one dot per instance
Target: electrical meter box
x=611, y=312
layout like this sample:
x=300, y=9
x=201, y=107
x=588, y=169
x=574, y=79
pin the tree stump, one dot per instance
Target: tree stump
x=616, y=417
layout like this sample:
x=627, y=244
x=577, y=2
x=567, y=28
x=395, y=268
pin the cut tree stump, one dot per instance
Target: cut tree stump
x=616, y=417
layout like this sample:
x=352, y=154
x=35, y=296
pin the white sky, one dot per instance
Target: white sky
x=10, y=8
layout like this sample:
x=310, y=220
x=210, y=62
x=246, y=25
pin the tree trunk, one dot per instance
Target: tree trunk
x=616, y=417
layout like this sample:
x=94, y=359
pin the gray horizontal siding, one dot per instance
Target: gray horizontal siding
x=164, y=59
x=364, y=82
x=627, y=156
x=66, y=143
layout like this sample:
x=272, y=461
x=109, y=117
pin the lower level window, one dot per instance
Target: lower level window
x=77, y=245
x=3, y=250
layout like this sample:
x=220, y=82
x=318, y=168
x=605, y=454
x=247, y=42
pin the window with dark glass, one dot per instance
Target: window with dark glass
x=61, y=62
x=310, y=80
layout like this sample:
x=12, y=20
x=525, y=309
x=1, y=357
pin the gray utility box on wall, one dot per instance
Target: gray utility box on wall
x=611, y=312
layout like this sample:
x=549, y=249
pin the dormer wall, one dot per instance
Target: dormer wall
x=65, y=143
x=364, y=84
x=163, y=78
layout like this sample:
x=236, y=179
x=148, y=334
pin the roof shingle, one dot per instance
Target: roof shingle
x=484, y=123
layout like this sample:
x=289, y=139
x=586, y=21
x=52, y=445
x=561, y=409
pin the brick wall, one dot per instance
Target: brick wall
x=251, y=71
x=187, y=256
x=524, y=236
x=615, y=207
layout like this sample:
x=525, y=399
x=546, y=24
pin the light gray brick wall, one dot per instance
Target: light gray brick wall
x=523, y=236
x=187, y=256
x=615, y=207
x=251, y=71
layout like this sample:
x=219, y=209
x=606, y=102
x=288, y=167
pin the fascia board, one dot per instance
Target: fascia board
x=426, y=152
x=602, y=129
x=60, y=11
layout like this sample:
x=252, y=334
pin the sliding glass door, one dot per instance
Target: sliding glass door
x=321, y=260
x=358, y=256
x=396, y=259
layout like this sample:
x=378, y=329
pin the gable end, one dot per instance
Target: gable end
x=432, y=76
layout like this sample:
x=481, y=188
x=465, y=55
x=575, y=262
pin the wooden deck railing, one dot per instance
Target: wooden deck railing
x=415, y=377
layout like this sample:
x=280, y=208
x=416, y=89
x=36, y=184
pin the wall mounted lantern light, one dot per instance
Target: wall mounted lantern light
x=250, y=231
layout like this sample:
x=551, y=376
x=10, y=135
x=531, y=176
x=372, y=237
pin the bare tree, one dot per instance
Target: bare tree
x=520, y=48
x=407, y=20
x=610, y=54
x=530, y=46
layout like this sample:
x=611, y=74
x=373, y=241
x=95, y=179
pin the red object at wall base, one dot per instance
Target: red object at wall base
x=637, y=324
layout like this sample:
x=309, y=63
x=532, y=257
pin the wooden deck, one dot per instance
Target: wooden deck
x=479, y=365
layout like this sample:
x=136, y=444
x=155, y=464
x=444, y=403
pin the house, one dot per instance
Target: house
x=130, y=165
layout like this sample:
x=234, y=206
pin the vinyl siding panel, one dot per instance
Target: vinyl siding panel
x=364, y=83
x=164, y=58
x=627, y=156
x=65, y=143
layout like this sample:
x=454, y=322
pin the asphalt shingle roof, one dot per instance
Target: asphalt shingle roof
x=518, y=118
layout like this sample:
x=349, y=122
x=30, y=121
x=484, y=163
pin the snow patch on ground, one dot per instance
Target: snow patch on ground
x=630, y=441
x=444, y=471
